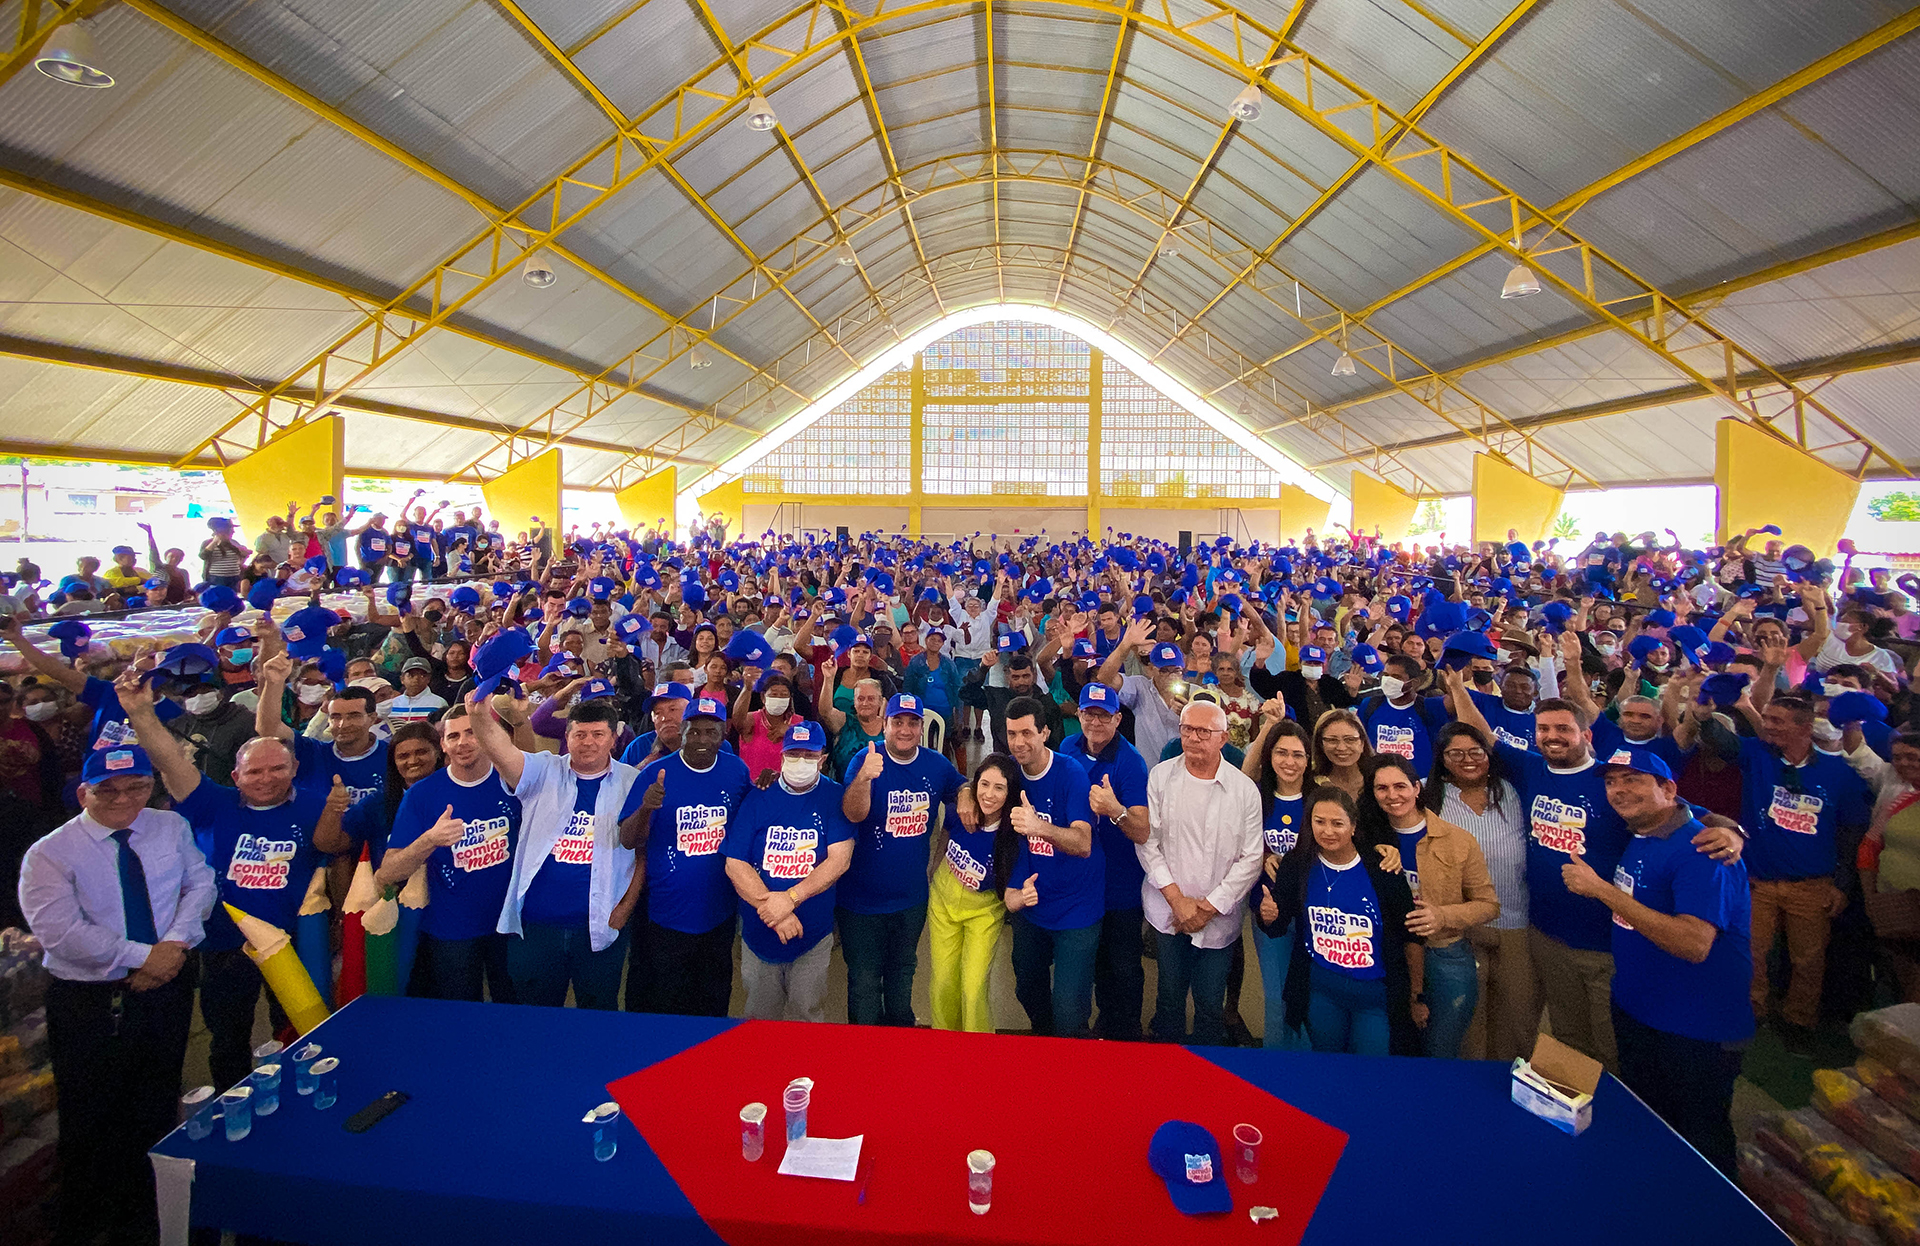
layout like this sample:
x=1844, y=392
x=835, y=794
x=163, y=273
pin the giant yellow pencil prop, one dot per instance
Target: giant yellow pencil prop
x=270, y=948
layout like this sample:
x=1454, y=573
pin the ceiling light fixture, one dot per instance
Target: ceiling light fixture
x=536, y=272
x=760, y=114
x=769, y=408
x=845, y=256
x=699, y=358
x=1520, y=283
x=69, y=57
x=1343, y=366
x=1246, y=407
x=1169, y=248
x=1246, y=105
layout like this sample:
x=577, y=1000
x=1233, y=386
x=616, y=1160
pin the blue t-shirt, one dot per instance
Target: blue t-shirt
x=1515, y=727
x=423, y=537
x=365, y=775
x=1406, y=732
x=1073, y=890
x=264, y=858
x=372, y=546
x=1121, y=764
x=367, y=823
x=1707, y=1001
x=110, y=728
x=1608, y=738
x=1792, y=814
x=687, y=887
x=1410, y=856
x=1567, y=812
x=784, y=835
x=1343, y=920
x=635, y=753
x=558, y=892
x=467, y=883
x=1285, y=824
x=889, y=870
x=970, y=855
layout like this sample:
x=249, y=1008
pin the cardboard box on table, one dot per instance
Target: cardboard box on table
x=1557, y=1084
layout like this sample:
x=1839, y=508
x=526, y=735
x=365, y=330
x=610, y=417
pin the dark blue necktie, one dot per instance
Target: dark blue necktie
x=133, y=892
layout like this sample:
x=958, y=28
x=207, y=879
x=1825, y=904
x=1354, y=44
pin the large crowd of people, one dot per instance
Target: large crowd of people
x=1448, y=790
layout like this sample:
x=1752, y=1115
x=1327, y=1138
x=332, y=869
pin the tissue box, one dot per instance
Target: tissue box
x=1557, y=1085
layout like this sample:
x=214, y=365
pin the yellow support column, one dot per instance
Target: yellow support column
x=1507, y=499
x=728, y=501
x=1763, y=480
x=916, y=450
x=1096, y=372
x=1378, y=505
x=528, y=490
x=301, y=464
x=649, y=502
x=1300, y=510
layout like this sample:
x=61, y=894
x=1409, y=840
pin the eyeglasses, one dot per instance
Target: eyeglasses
x=1465, y=754
x=1201, y=733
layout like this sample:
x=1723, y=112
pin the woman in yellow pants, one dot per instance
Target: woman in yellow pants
x=964, y=909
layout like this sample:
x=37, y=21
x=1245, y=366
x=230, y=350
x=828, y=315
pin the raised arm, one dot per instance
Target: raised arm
x=163, y=747
x=42, y=662
x=493, y=739
x=274, y=673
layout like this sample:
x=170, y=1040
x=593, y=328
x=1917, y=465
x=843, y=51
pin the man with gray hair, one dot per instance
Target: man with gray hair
x=1202, y=854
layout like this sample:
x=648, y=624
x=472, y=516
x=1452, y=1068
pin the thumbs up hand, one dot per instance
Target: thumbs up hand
x=338, y=797
x=872, y=764
x=447, y=831
x=1105, y=801
x=1025, y=820
x=1026, y=896
x=656, y=794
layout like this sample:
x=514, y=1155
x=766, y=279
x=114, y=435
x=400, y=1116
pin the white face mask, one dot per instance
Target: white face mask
x=799, y=772
x=1825, y=733
x=40, y=711
x=777, y=705
x=1608, y=648
x=1312, y=673
x=1843, y=631
x=312, y=694
x=202, y=703
x=1391, y=687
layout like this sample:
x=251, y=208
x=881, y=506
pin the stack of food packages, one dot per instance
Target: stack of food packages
x=1858, y=1144
x=28, y=1127
x=151, y=631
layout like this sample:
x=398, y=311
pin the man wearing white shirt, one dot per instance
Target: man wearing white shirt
x=1202, y=855
x=117, y=897
x=418, y=703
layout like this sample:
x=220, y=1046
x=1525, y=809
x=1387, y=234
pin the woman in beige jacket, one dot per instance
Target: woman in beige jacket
x=1452, y=893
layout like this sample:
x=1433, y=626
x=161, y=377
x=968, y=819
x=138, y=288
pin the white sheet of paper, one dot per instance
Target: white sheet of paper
x=836, y=1159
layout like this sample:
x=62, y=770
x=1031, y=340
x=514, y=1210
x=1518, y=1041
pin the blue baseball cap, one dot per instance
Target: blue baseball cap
x=1726, y=688
x=804, y=736
x=232, y=636
x=1186, y=1157
x=306, y=630
x=108, y=763
x=350, y=577
x=594, y=689
x=1166, y=653
x=1012, y=642
x=669, y=692
x=1312, y=655
x=905, y=703
x=706, y=707
x=579, y=607
x=1367, y=658
x=1098, y=696
x=1083, y=650
x=496, y=658
x=1642, y=760
x=631, y=629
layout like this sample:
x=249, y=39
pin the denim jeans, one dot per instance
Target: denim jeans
x=1119, y=979
x=1453, y=991
x=882, y=953
x=1348, y=1014
x=460, y=968
x=544, y=960
x=1276, y=956
x=1053, y=975
x=1184, y=967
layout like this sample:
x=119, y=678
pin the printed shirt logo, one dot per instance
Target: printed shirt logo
x=698, y=830
x=575, y=845
x=1199, y=1169
x=791, y=851
x=906, y=814
x=402, y=548
x=483, y=844
x=1282, y=838
x=377, y=545
x=1391, y=739
x=965, y=867
x=114, y=734
x=1412, y=876
x=1558, y=825
x=261, y=864
x=1624, y=881
x=120, y=759
x=1798, y=812
x=294, y=634
x=1501, y=733
x=1039, y=847
x=1341, y=938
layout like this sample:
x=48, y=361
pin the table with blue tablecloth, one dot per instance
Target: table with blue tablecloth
x=491, y=1147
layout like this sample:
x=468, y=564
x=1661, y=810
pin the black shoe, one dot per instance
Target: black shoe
x=1799, y=1040
x=1238, y=1035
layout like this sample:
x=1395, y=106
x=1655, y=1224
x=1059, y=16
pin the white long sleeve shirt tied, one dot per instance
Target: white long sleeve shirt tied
x=70, y=892
x=1205, y=837
x=547, y=792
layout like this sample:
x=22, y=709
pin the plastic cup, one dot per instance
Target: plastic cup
x=979, y=1182
x=796, y=1099
x=236, y=1108
x=326, y=1082
x=197, y=1109
x=1246, y=1153
x=303, y=1058
x=602, y=1123
x=753, y=1131
x=265, y=1052
x=266, y=1090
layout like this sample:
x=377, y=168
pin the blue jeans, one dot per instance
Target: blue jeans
x=1184, y=967
x=1453, y=989
x=1348, y=1014
x=458, y=968
x=544, y=960
x=1053, y=975
x=1276, y=956
x=882, y=953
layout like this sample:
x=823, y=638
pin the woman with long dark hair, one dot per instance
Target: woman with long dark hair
x=1452, y=894
x=1278, y=766
x=1350, y=978
x=1469, y=787
x=965, y=909
x=1340, y=749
